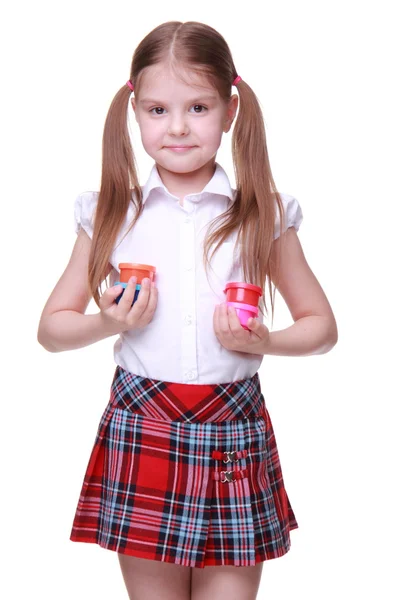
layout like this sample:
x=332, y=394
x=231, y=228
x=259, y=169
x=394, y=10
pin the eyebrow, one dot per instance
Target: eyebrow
x=193, y=101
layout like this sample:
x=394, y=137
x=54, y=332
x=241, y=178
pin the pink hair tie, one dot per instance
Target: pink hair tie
x=128, y=83
x=236, y=81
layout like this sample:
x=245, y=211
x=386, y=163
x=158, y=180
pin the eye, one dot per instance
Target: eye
x=199, y=106
x=157, y=108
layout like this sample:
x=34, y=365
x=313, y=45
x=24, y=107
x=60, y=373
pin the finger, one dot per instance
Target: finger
x=216, y=320
x=224, y=320
x=143, y=297
x=152, y=301
x=128, y=295
x=107, y=299
x=256, y=327
x=235, y=325
x=109, y=296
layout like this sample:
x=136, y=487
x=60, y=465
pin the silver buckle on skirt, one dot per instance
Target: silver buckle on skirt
x=227, y=476
x=230, y=457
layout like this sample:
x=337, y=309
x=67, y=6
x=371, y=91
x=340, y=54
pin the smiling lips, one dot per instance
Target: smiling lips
x=179, y=148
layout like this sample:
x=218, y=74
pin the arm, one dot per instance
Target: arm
x=314, y=330
x=63, y=324
x=69, y=330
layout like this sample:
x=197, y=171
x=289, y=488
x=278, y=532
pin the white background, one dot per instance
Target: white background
x=326, y=76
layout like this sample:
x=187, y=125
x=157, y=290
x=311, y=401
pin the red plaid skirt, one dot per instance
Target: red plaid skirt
x=186, y=474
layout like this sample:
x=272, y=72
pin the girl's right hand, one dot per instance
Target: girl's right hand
x=123, y=315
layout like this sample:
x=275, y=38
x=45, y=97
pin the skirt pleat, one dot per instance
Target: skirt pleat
x=186, y=474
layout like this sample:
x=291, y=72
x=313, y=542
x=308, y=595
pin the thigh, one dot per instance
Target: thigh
x=221, y=582
x=154, y=580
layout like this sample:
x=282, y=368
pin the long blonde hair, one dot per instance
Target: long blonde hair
x=202, y=49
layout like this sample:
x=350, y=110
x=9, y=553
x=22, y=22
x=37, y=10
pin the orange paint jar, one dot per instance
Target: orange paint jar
x=128, y=270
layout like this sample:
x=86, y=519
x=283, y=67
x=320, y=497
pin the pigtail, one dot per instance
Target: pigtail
x=118, y=179
x=258, y=196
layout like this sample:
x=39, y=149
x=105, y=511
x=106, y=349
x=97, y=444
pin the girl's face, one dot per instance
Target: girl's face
x=172, y=114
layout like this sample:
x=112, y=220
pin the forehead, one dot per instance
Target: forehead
x=161, y=79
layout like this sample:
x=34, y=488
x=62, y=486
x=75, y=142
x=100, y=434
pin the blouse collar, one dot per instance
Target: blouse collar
x=218, y=184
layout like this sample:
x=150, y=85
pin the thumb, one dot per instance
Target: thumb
x=256, y=326
x=115, y=291
x=110, y=295
x=252, y=323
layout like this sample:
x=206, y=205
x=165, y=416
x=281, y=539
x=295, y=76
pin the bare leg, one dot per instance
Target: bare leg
x=221, y=582
x=154, y=580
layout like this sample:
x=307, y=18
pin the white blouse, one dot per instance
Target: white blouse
x=179, y=344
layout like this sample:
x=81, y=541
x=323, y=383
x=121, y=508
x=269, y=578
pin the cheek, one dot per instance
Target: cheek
x=213, y=136
x=150, y=134
x=211, y=132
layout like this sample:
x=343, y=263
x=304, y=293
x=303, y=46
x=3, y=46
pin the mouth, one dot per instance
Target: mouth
x=179, y=147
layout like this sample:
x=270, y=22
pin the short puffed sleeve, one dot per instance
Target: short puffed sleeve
x=293, y=215
x=84, y=208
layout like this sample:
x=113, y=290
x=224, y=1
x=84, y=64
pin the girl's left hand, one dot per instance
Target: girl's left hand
x=233, y=336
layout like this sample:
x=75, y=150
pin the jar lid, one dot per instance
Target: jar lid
x=125, y=285
x=242, y=285
x=137, y=266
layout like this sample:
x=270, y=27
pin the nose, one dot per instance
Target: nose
x=178, y=126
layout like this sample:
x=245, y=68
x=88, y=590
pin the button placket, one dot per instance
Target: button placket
x=188, y=300
x=188, y=319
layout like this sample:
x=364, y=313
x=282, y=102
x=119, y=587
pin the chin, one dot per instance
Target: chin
x=180, y=166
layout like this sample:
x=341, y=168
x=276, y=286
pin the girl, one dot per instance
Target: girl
x=185, y=473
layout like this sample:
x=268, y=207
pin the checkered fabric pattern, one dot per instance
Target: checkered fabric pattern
x=164, y=481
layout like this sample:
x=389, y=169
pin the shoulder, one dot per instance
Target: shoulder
x=84, y=208
x=292, y=213
x=289, y=202
x=86, y=198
